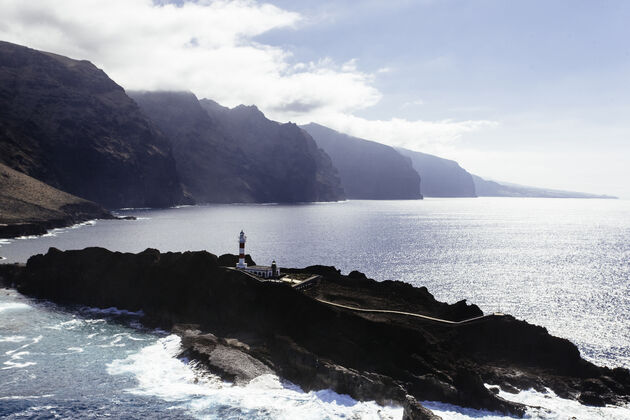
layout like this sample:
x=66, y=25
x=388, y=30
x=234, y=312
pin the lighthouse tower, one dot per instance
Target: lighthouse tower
x=241, y=251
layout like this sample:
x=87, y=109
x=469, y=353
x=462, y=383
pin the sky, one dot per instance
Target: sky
x=530, y=92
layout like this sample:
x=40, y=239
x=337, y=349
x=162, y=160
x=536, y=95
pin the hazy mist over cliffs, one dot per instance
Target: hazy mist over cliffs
x=528, y=92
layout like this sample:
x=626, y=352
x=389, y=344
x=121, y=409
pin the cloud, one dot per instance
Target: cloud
x=427, y=136
x=210, y=48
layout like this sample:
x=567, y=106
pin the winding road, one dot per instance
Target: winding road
x=385, y=311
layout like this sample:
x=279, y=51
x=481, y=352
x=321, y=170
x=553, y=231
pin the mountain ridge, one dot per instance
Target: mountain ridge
x=238, y=155
x=66, y=123
x=440, y=177
x=367, y=169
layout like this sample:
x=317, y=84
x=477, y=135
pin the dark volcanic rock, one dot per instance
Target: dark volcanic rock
x=441, y=177
x=237, y=155
x=368, y=170
x=230, y=260
x=269, y=325
x=414, y=411
x=30, y=207
x=226, y=358
x=66, y=123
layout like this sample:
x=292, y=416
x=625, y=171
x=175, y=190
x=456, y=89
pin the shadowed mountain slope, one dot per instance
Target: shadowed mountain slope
x=288, y=163
x=441, y=177
x=237, y=155
x=28, y=206
x=67, y=124
x=368, y=170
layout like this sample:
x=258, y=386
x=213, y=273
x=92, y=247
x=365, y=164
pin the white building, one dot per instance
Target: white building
x=266, y=272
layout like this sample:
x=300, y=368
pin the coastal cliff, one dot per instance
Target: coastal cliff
x=223, y=314
x=238, y=155
x=368, y=170
x=66, y=123
x=440, y=177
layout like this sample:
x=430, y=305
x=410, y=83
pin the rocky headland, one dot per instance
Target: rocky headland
x=440, y=177
x=486, y=188
x=30, y=207
x=239, y=327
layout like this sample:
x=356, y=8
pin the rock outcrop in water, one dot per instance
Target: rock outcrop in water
x=224, y=315
x=238, y=155
x=30, y=207
x=368, y=170
x=64, y=122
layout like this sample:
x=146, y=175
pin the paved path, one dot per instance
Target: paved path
x=384, y=311
x=426, y=317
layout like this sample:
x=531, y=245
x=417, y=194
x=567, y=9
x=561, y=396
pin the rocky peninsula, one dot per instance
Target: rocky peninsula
x=240, y=327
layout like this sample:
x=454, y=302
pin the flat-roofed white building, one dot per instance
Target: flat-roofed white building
x=263, y=271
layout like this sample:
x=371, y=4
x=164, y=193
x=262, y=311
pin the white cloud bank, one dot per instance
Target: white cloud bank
x=209, y=48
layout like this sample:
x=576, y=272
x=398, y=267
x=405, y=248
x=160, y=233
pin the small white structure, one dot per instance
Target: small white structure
x=266, y=272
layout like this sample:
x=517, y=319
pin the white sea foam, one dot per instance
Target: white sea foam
x=71, y=350
x=12, y=339
x=543, y=406
x=116, y=342
x=13, y=306
x=26, y=237
x=26, y=397
x=34, y=341
x=67, y=325
x=16, y=359
x=10, y=364
x=160, y=374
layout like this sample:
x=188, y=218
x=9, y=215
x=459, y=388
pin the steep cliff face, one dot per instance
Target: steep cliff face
x=296, y=168
x=441, y=177
x=368, y=170
x=237, y=155
x=30, y=207
x=211, y=168
x=67, y=124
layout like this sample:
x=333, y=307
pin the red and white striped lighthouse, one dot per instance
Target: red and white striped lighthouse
x=241, y=251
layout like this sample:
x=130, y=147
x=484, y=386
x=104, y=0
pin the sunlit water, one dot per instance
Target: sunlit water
x=563, y=264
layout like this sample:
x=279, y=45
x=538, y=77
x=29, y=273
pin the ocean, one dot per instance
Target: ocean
x=560, y=263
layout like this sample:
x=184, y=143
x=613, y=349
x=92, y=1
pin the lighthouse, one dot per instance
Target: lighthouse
x=241, y=251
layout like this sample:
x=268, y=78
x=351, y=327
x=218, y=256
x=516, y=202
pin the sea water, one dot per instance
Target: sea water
x=560, y=263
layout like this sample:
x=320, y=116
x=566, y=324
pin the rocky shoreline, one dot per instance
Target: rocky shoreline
x=238, y=327
x=41, y=227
